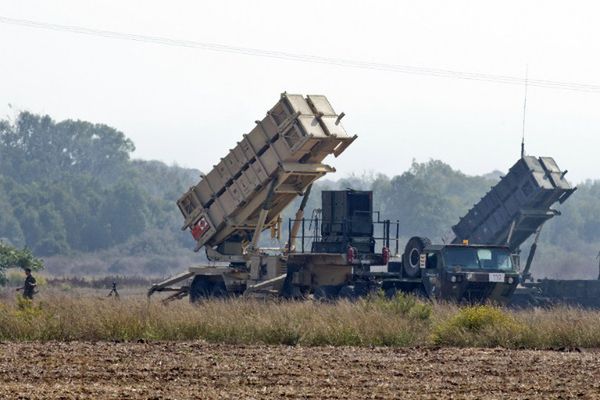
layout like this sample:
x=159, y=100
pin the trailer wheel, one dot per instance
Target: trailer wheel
x=412, y=253
x=290, y=291
x=320, y=294
x=219, y=290
x=200, y=288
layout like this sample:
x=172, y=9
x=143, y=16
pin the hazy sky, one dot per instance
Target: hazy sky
x=190, y=106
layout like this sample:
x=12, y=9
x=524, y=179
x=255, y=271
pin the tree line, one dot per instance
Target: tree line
x=72, y=186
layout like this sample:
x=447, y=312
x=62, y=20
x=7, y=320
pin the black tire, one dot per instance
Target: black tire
x=347, y=292
x=219, y=290
x=289, y=291
x=412, y=253
x=320, y=294
x=200, y=289
x=420, y=293
x=326, y=292
x=390, y=292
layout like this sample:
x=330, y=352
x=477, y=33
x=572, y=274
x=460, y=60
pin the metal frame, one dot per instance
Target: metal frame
x=314, y=224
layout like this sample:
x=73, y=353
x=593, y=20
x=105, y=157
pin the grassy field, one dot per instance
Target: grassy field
x=376, y=321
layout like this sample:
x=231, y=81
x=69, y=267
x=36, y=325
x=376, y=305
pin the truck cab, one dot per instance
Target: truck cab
x=463, y=272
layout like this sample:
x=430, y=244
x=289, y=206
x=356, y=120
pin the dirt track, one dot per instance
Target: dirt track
x=199, y=370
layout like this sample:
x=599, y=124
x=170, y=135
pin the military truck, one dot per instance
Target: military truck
x=454, y=272
x=482, y=261
x=515, y=210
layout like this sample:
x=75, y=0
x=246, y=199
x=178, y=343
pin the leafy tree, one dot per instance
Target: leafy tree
x=124, y=210
x=10, y=229
x=11, y=257
x=36, y=148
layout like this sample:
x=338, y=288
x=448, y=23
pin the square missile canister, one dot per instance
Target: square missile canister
x=555, y=174
x=218, y=177
x=329, y=117
x=203, y=193
x=544, y=184
x=295, y=103
x=535, y=173
x=255, y=142
x=256, y=174
x=245, y=184
x=188, y=204
x=216, y=212
x=234, y=162
x=313, y=120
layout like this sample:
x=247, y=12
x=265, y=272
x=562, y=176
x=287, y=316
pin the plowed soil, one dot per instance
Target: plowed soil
x=159, y=370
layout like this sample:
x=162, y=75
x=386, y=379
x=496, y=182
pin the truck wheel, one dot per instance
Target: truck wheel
x=347, y=292
x=419, y=293
x=412, y=253
x=200, y=288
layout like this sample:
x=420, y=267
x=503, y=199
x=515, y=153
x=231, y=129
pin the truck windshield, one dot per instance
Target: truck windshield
x=477, y=258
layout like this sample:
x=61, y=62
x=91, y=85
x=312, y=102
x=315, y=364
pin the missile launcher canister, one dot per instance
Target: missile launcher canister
x=517, y=206
x=277, y=160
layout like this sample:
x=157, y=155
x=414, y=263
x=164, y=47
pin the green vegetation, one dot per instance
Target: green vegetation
x=70, y=188
x=481, y=326
x=71, y=193
x=375, y=321
x=15, y=258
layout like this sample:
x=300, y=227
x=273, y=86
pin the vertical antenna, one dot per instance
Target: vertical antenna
x=524, y=112
x=598, y=257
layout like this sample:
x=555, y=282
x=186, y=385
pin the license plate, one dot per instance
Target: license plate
x=496, y=277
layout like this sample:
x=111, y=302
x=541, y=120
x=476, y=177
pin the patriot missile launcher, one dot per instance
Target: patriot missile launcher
x=244, y=194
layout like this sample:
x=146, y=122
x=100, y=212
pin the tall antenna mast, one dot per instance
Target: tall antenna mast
x=524, y=113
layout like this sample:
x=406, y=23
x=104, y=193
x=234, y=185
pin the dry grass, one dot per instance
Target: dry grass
x=403, y=321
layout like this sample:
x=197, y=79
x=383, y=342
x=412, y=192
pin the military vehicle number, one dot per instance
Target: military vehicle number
x=496, y=277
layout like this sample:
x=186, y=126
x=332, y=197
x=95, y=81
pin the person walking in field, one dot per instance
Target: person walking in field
x=113, y=291
x=29, y=285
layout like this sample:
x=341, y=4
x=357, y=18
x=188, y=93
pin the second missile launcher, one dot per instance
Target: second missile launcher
x=517, y=206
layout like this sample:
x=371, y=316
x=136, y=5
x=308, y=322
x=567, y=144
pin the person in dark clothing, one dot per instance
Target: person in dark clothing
x=113, y=291
x=29, y=285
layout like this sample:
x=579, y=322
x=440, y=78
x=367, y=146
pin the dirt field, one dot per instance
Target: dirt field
x=206, y=371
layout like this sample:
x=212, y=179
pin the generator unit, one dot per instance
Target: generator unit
x=347, y=221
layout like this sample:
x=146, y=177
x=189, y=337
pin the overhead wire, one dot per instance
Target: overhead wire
x=307, y=58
